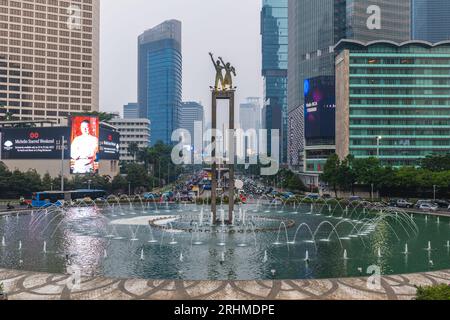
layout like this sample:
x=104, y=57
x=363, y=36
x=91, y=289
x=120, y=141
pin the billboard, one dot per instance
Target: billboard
x=109, y=145
x=84, y=145
x=320, y=108
x=32, y=143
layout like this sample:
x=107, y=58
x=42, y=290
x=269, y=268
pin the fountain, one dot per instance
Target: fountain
x=44, y=250
x=406, y=249
x=266, y=258
x=192, y=234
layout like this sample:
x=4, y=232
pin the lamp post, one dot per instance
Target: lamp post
x=434, y=193
x=89, y=184
x=129, y=188
x=379, y=138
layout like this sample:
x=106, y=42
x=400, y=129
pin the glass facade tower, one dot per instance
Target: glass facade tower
x=274, y=32
x=393, y=101
x=160, y=78
x=430, y=20
x=315, y=27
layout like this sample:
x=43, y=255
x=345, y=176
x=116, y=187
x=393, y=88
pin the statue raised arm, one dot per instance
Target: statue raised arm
x=219, y=69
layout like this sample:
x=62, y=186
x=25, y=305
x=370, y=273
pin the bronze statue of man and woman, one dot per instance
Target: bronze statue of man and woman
x=226, y=83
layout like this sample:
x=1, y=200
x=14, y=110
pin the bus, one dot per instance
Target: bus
x=48, y=198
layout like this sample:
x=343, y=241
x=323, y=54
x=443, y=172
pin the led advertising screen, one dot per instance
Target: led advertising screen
x=320, y=108
x=84, y=145
x=32, y=143
x=109, y=145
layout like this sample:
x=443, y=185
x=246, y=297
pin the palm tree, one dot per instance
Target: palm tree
x=133, y=149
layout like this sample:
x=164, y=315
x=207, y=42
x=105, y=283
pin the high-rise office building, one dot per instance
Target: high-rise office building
x=49, y=58
x=274, y=32
x=190, y=113
x=132, y=131
x=250, y=119
x=430, y=20
x=315, y=26
x=392, y=101
x=250, y=114
x=160, y=78
x=131, y=111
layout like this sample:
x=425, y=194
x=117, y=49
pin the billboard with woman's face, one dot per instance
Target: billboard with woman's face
x=84, y=145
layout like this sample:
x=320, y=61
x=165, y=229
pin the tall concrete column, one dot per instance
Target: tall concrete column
x=231, y=158
x=213, y=155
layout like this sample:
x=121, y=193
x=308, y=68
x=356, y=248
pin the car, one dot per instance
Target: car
x=401, y=203
x=428, y=207
x=151, y=196
x=442, y=204
x=355, y=199
x=420, y=202
x=392, y=203
x=313, y=196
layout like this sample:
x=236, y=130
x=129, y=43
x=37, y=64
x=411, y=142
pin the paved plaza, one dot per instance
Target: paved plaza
x=23, y=285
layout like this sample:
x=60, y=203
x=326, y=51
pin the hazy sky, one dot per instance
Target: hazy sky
x=228, y=28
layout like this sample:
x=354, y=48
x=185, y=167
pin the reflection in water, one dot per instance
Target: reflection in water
x=327, y=241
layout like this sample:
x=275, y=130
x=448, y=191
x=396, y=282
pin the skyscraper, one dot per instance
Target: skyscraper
x=315, y=26
x=160, y=78
x=49, y=58
x=190, y=113
x=250, y=119
x=131, y=111
x=430, y=20
x=250, y=114
x=274, y=32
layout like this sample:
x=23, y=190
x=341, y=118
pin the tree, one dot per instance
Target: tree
x=47, y=182
x=368, y=171
x=331, y=172
x=133, y=149
x=346, y=174
x=137, y=176
x=436, y=163
x=119, y=183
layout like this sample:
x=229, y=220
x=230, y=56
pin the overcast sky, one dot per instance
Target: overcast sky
x=228, y=28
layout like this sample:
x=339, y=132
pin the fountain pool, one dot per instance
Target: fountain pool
x=268, y=240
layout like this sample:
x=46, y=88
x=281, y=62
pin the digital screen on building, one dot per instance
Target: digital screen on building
x=109, y=145
x=32, y=143
x=84, y=145
x=320, y=108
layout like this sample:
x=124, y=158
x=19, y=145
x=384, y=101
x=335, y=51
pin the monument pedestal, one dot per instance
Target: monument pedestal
x=223, y=95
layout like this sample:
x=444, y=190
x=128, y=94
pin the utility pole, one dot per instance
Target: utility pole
x=62, y=163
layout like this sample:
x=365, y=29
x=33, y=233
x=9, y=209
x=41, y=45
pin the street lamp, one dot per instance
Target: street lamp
x=89, y=184
x=379, y=138
x=434, y=193
x=129, y=188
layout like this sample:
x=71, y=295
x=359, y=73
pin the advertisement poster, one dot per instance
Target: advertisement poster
x=109, y=145
x=84, y=145
x=320, y=108
x=32, y=143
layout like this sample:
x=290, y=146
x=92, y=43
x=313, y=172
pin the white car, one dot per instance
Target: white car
x=428, y=207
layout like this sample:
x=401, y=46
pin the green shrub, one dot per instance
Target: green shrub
x=440, y=292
